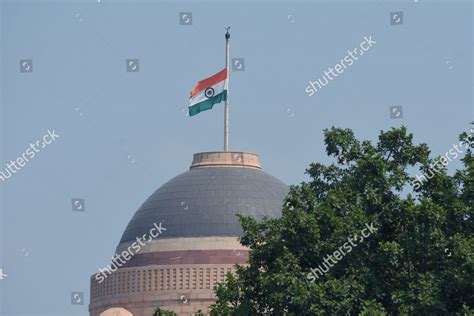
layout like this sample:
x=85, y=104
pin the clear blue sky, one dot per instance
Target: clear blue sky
x=79, y=50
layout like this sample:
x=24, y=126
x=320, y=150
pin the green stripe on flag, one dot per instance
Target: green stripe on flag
x=207, y=104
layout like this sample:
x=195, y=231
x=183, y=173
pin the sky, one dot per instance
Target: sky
x=124, y=134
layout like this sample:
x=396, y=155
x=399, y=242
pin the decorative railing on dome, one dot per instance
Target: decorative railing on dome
x=152, y=279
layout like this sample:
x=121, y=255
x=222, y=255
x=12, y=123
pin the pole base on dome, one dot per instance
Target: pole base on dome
x=236, y=159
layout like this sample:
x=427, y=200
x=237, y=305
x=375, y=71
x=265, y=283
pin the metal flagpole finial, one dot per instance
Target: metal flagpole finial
x=227, y=34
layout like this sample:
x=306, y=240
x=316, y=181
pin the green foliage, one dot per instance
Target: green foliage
x=161, y=312
x=419, y=262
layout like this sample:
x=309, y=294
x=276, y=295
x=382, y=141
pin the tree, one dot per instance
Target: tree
x=162, y=312
x=417, y=259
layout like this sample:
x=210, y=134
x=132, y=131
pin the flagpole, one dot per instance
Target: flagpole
x=226, y=106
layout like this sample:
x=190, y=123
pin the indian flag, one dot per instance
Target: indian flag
x=208, y=92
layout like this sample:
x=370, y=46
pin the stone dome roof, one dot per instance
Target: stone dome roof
x=203, y=201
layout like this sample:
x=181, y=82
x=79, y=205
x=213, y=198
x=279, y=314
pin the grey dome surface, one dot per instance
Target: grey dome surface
x=203, y=202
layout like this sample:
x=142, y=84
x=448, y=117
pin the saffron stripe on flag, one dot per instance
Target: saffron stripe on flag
x=203, y=84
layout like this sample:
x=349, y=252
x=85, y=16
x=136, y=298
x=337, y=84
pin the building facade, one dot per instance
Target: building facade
x=198, y=241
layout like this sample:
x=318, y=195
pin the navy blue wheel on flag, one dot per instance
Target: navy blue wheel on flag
x=209, y=93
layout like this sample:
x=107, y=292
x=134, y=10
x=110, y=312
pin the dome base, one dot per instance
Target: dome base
x=227, y=159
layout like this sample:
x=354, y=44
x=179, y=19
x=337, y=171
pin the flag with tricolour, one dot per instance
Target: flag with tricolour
x=208, y=92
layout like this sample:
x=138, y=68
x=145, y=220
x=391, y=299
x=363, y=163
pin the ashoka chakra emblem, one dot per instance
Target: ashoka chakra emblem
x=209, y=93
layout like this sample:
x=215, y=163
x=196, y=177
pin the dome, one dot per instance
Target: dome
x=204, y=200
x=197, y=245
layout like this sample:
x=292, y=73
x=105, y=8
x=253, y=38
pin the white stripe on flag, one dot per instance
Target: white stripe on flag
x=200, y=96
